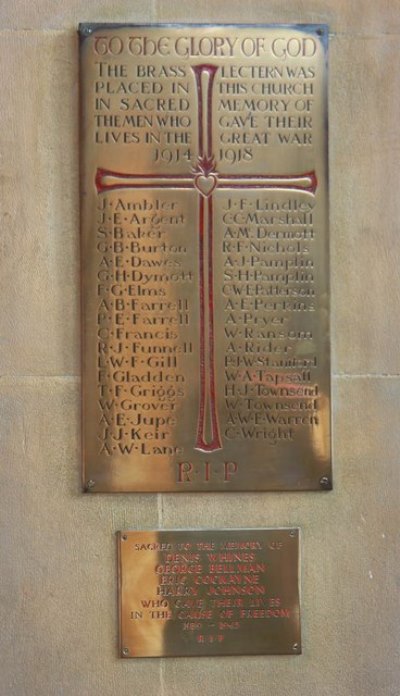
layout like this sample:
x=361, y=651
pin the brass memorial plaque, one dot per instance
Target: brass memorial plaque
x=205, y=258
x=225, y=592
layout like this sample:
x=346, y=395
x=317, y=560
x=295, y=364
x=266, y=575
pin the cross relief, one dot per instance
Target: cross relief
x=205, y=178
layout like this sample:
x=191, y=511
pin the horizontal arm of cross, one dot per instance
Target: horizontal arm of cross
x=298, y=182
x=107, y=180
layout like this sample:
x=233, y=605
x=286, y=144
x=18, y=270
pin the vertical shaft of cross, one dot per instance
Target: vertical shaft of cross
x=208, y=437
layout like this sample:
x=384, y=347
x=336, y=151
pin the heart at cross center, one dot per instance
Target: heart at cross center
x=205, y=184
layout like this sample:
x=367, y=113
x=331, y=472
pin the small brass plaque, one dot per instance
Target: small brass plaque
x=205, y=258
x=225, y=592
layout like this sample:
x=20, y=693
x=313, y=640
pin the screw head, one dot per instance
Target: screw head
x=325, y=482
x=296, y=646
x=125, y=651
x=90, y=484
x=292, y=533
x=124, y=537
x=86, y=31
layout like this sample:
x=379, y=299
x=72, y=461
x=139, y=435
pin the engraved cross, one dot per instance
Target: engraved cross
x=205, y=179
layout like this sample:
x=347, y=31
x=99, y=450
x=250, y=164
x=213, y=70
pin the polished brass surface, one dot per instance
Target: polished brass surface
x=208, y=592
x=205, y=258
